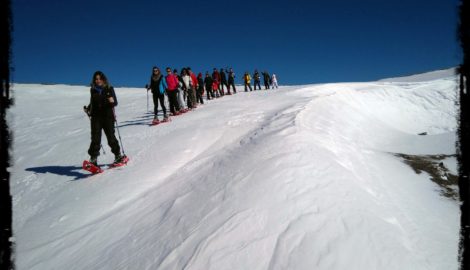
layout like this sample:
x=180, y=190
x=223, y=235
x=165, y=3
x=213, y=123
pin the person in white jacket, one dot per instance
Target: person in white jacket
x=188, y=88
x=180, y=92
x=274, y=81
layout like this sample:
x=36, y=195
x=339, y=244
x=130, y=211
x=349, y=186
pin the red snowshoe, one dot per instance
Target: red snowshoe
x=94, y=169
x=155, y=122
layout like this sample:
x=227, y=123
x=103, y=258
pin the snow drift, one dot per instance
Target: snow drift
x=296, y=178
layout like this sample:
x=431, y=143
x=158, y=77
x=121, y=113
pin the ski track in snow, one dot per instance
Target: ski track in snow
x=296, y=178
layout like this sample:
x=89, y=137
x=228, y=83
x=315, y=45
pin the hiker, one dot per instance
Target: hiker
x=172, y=91
x=187, y=87
x=257, y=79
x=216, y=80
x=158, y=86
x=223, y=80
x=247, y=81
x=102, y=118
x=231, y=81
x=193, y=89
x=200, y=88
x=266, y=80
x=274, y=81
x=208, y=84
x=180, y=93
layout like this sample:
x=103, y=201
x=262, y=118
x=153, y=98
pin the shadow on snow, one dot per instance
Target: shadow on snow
x=72, y=171
x=146, y=120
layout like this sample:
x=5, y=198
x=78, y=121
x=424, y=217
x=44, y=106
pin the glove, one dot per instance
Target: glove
x=86, y=110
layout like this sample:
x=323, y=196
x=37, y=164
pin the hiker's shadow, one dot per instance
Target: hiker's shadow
x=72, y=171
x=141, y=120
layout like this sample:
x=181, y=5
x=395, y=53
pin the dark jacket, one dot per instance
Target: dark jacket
x=208, y=82
x=180, y=79
x=99, y=104
x=216, y=76
x=200, y=82
x=156, y=84
x=266, y=77
x=231, y=77
x=223, y=77
x=256, y=77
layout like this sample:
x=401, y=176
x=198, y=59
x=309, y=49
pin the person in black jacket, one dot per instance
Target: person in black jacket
x=208, y=83
x=223, y=81
x=200, y=88
x=158, y=94
x=257, y=79
x=266, y=80
x=101, y=111
x=231, y=81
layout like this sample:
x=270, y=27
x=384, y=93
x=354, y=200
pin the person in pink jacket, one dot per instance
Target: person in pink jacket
x=172, y=83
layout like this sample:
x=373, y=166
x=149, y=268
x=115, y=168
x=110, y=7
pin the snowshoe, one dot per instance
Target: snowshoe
x=155, y=122
x=91, y=167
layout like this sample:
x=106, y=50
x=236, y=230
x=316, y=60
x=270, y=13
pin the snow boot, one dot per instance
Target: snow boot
x=94, y=161
x=155, y=121
x=120, y=160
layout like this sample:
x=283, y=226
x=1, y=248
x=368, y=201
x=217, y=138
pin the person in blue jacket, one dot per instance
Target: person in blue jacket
x=158, y=86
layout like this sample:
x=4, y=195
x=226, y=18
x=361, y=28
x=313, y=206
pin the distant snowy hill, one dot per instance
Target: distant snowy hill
x=306, y=177
x=427, y=76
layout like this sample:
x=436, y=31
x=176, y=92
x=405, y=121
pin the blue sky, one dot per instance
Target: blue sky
x=57, y=41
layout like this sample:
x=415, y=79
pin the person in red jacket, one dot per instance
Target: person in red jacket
x=216, y=79
x=172, y=83
x=215, y=88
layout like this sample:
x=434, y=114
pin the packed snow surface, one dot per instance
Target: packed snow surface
x=301, y=177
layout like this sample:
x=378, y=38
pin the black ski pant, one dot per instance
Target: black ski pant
x=191, y=98
x=248, y=85
x=221, y=87
x=257, y=83
x=199, y=91
x=161, y=98
x=106, y=124
x=266, y=85
x=173, y=99
x=233, y=85
x=209, y=92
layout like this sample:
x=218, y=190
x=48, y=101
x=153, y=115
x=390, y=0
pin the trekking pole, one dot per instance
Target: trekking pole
x=147, y=87
x=89, y=117
x=119, y=135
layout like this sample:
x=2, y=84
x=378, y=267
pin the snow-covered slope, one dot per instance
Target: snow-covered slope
x=295, y=178
x=427, y=76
